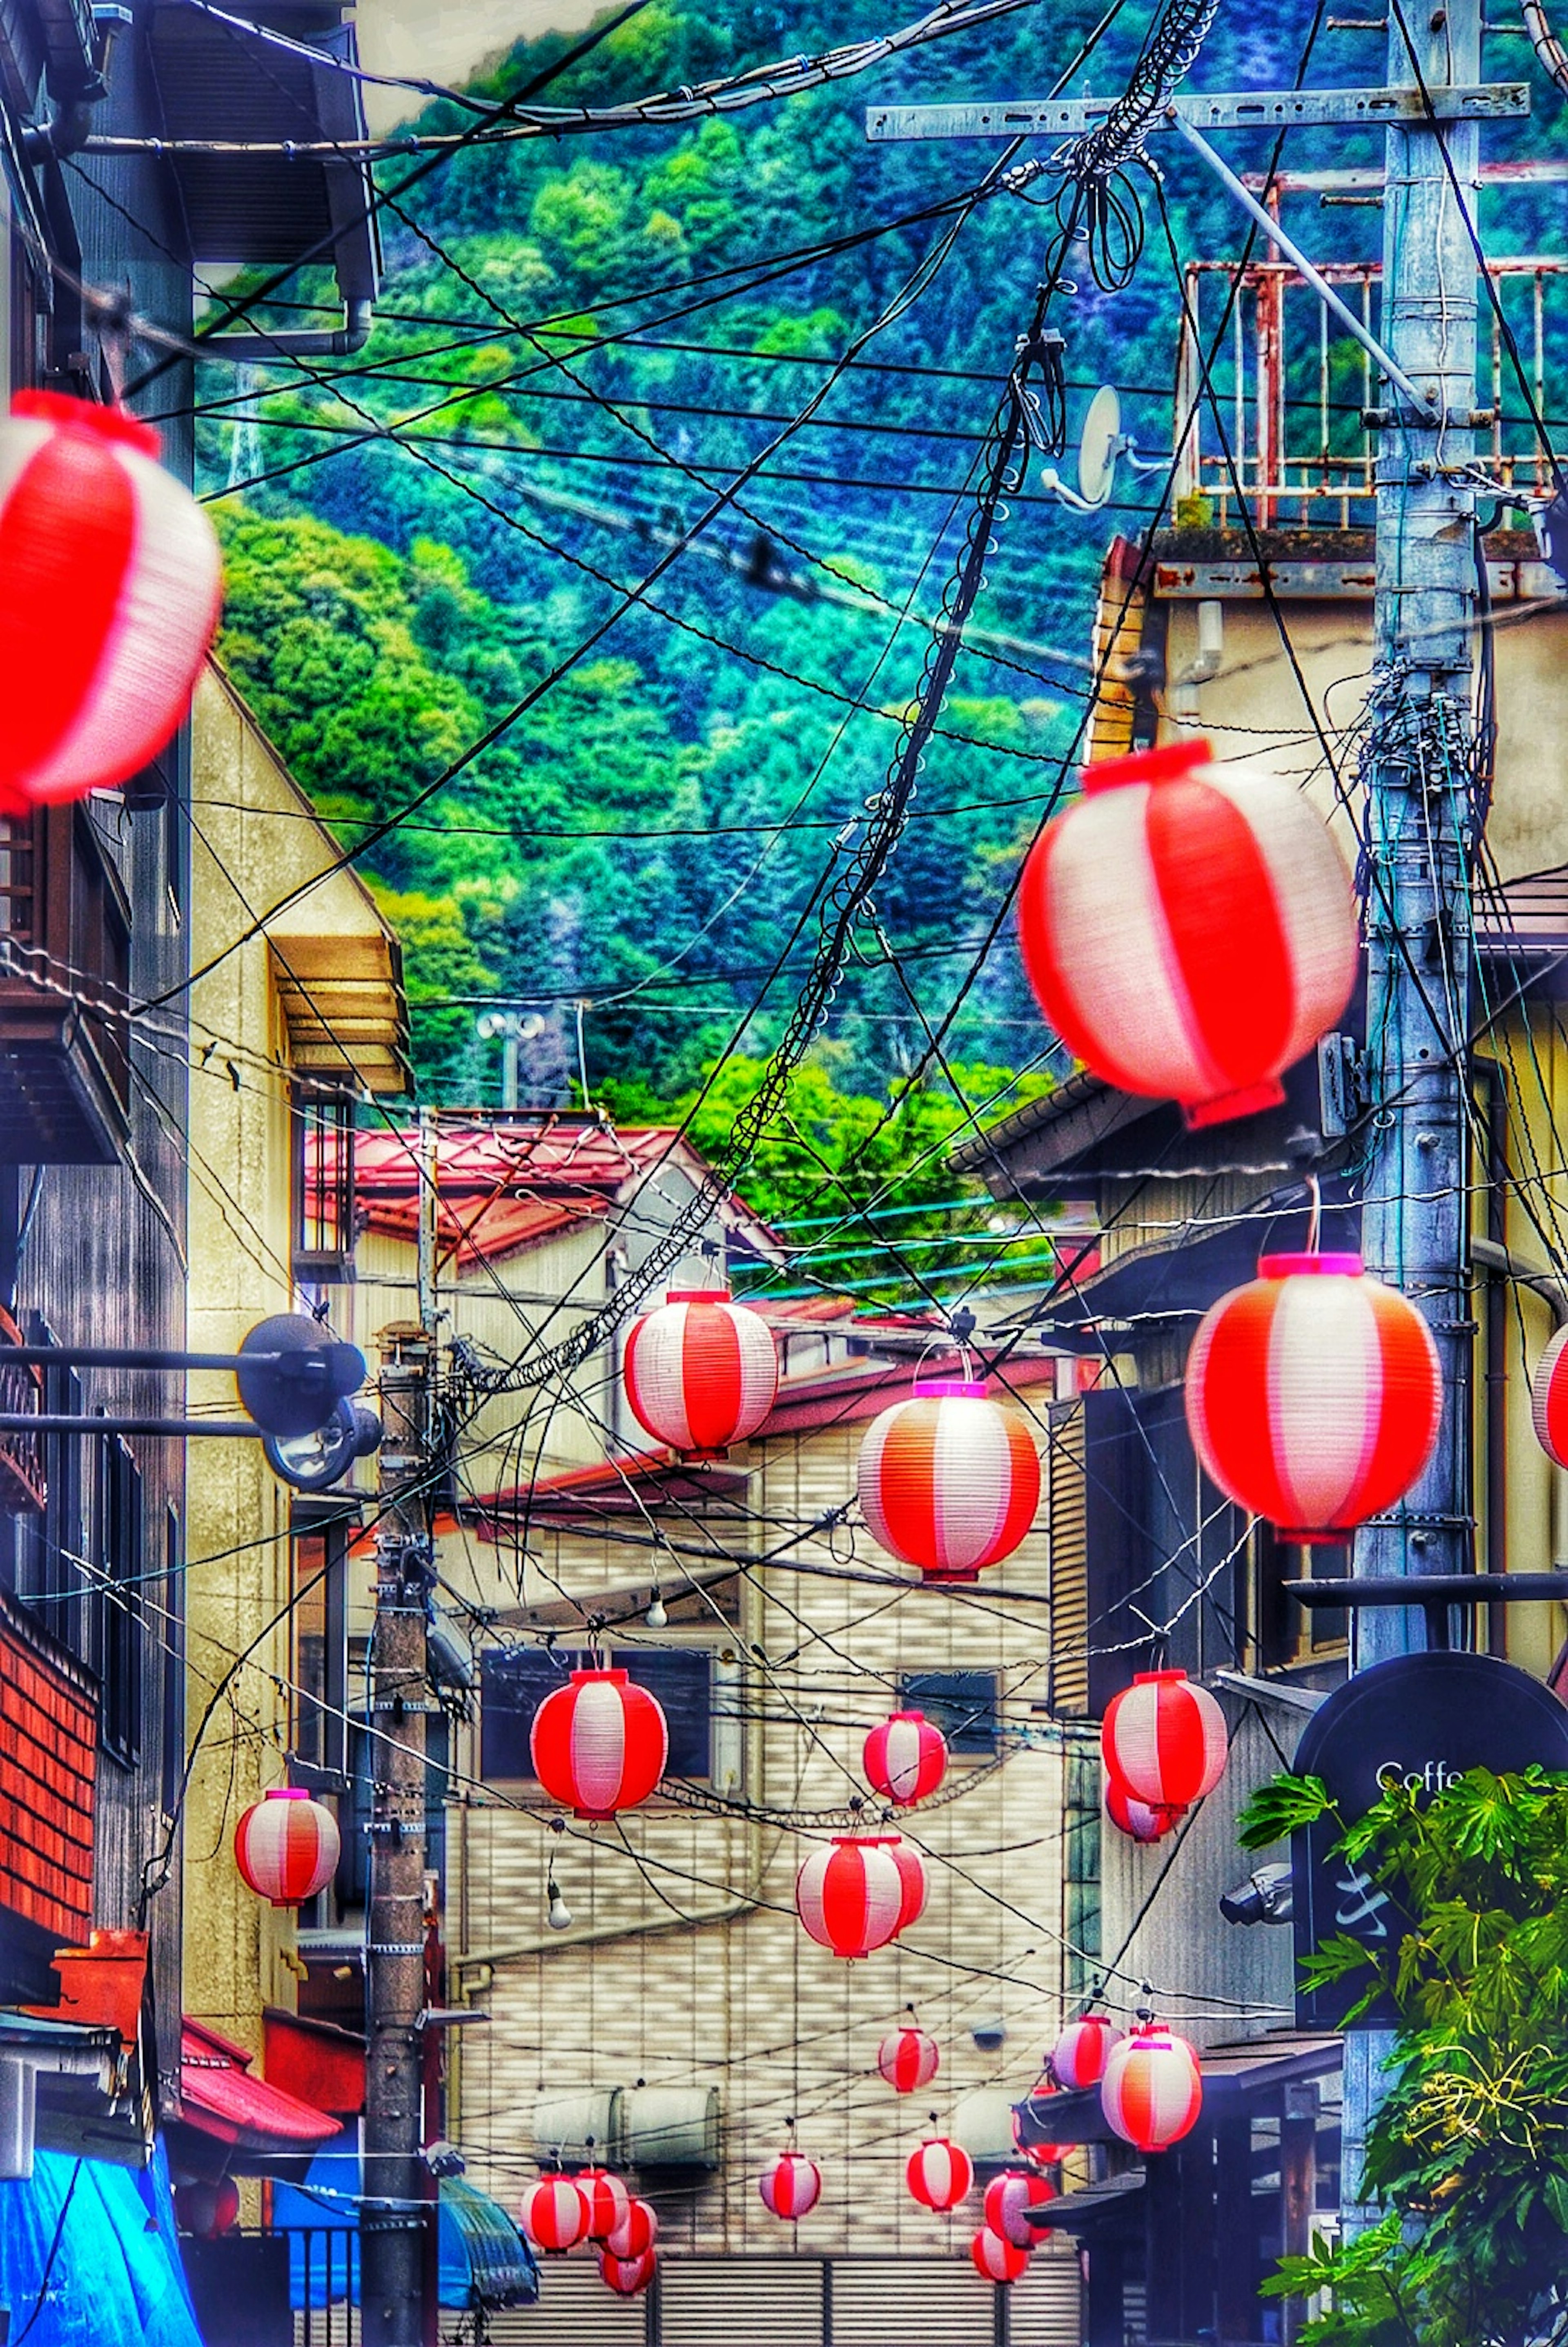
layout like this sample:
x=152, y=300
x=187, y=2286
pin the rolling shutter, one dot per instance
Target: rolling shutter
x=940, y=2303
x=1044, y=2307
x=741, y=2302
x=1069, y=1561
x=575, y=2309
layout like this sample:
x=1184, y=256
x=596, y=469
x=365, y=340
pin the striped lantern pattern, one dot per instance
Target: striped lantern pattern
x=905, y=1758
x=1314, y=1395
x=791, y=2186
x=628, y=2277
x=1079, y=2056
x=1549, y=1399
x=599, y=1743
x=1007, y=2196
x=1189, y=928
x=635, y=2234
x=1136, y=1820
x=555, y=2214
x=607, y=2201
x=207, y=2210
x=850, y=1894
x=908, y=2059
x=1152, y=2091
x=949, y=1480
x=996, y=2260
x=110, y=587
x=1163, y=1739
x=287, y=1847
x=700, y=1372
x=912, y=1877
x=939, y=2173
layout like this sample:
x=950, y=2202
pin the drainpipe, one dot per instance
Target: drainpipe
x=260, y=350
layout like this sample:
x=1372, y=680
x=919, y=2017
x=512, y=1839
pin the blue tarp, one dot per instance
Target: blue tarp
x=117, y=2279
x=483, y=2257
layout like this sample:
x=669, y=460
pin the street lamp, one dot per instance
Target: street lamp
x=515, y=1028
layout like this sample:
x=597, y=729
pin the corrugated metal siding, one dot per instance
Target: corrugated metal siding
x=1043, y=2308
x=576, y=2309
x=942, y=2304
x=1069, y=1561
x=742, y=2301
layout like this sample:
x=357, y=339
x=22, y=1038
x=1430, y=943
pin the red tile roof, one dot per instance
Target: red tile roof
x=218, y=2096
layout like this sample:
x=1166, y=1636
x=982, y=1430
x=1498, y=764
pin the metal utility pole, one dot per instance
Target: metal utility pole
x=397, y=2235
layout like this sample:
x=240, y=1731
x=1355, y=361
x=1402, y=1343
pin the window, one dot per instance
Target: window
x=1289, y=1634
x=117, y=1599
x=515, y=1681
x=50, y=1571
x=1080, y=1888
x=172, y=1771
x=962, y=1704
x=323, y=1185
x=318, y=1734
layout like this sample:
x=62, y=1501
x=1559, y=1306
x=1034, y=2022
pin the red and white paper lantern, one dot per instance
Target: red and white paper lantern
x=949, y=1480
x=207, y=2210
x=1314, y=1395
x=628, y=2276
x=1007, y=2196
x=287, y=1847
x=555, y=2214
x=1079, y=2056
x=1136, y=1820
x=791, y=2186
x=607, y=2201
x=905, y=1758
x=912, y=1876
x=939, y=2173
x=110, y=587
x=1164, y=1741
x=908, y=2059
x=1152, y=2091
x=996, y=2260
x=1189, y=928
x=1549, y=1399
x=701, y=1372
x=635, y=2234
x=599, y=1743
x=1039, y=2155
x=850, y=1895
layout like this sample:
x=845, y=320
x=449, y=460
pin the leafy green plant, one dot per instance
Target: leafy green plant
x=1468, y=2153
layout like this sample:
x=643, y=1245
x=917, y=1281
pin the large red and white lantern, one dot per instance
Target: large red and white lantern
x=1549, y=1399
x=791, y=2186
x=607, y=2201
x=635, y=2234
x=908, y=2059
x=1189, y=928
x=1136, y=1820
x=996, y=2260
x=1007, y=2196
x=1152, y=2091
x=912, y=1876
x=700, y=1372
x=599, y=1743
x=850, y=1894
x=949, y=1480
x=555, y=2214
x=905, y=1758
x=1314, y=1395
x=939, y=2173
x=287, y=1845
x=110, y=588
x=628, y=2277
x=1164, y=1741
x=1079, y=2056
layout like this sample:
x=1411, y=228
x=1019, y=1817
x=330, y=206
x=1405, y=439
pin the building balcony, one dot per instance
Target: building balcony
x=65, y=972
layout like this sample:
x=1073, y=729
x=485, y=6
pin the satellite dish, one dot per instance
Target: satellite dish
x=1099, y=444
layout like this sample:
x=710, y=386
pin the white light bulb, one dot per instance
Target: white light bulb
x=656, y=1617
x=560, y=1915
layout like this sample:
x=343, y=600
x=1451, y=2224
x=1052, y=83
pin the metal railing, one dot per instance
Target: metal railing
x=323, y=2284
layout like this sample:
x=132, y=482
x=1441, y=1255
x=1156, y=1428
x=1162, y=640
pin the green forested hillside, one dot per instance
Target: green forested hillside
x=578, y=340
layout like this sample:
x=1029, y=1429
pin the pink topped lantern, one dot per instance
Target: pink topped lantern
x=905, y=1758
x=1549, y=1399
x=635, y=2234
x=1189, y=928
x=849, y=1895
x=287, y=1847
x=949, y=1480
x=939, y=2173
x=996, y=2259
x=1314, y=1395
x=555, y=2214
x=110, y=587
x=628, y=2277
x=701, y=1372
x=1007, y=2196
x=1152, y=2091
x=1079, y=2056
x=791, y=2186
x=908, y=2059
x=607, y=2201
x=599, y=1743
x=1136, y=1820
x=1163, y=1741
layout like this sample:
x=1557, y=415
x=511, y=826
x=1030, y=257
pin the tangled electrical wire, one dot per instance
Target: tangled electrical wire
x=1099, y=201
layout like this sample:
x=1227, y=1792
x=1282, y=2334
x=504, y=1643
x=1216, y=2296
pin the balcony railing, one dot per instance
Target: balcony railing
x=65, y=977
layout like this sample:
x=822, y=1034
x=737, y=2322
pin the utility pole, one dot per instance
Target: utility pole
x=397, y=2235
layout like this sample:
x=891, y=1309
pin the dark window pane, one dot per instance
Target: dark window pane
x=962, y=1704
x=516, y=1680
